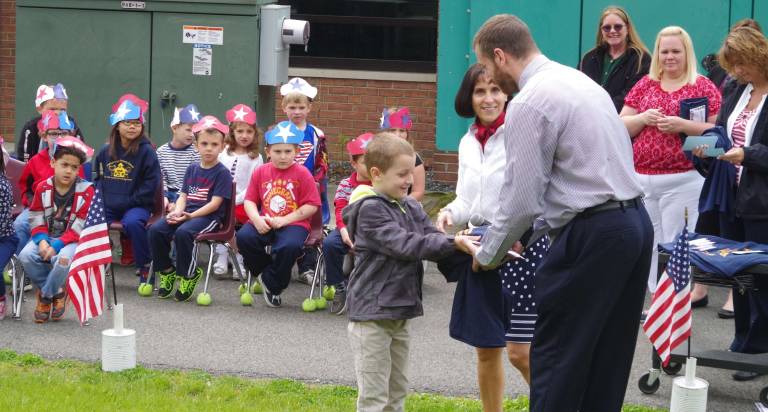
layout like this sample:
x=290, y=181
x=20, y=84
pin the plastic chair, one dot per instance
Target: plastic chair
x=314, y=240
x=222, y=237
x=13, y=170
x=16, y=272
x=158, y=211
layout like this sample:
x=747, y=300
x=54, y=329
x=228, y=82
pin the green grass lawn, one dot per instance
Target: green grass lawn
x=30, y=383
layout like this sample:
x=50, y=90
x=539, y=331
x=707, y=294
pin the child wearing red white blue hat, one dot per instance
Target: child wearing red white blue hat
x=46, y=98
x=398, y=121
x=200, y=208
x=338, y=243
x=176, y=155
x=281, y=199
x=298, y=96
x=241, y=157
x=128, y=173
x=51, y=126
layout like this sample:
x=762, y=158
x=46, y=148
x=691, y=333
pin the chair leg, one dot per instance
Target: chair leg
x=210, y=266
x=314, y=277
x=17, y=288
x=110, y=273
x=235, y=264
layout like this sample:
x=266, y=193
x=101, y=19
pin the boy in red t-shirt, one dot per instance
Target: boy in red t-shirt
x=281, y=199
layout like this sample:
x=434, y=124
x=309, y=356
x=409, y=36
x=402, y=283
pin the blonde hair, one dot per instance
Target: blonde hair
x=691, y=74
x=633, y=39
x=744, y=46
x=384, y=149
x=253, y=150
x=295, y=97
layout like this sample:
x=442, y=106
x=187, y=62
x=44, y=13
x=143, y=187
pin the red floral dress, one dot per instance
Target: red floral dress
x=656, y=152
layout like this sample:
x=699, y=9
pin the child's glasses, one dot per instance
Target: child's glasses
x=132, y=123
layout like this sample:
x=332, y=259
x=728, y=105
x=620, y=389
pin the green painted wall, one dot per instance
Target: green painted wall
x=564, y=30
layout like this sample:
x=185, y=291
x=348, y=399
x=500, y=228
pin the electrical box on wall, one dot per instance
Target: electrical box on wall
x=278, y=32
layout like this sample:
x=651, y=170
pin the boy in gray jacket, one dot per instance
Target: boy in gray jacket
x=391, y=234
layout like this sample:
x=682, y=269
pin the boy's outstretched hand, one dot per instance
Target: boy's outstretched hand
x=46, y=251
x=466, y=244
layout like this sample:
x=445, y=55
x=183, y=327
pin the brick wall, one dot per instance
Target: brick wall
x=345, y=108
x=7, y=70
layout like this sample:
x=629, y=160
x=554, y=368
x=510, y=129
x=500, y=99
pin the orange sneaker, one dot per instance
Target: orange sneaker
x=43, y=308
x=59, y=304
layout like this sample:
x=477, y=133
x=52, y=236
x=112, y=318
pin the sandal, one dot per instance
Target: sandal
x=43, y=308
x=59, y=304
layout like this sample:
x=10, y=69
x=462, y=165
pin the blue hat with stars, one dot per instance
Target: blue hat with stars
x=284, y=132
x=126, y=111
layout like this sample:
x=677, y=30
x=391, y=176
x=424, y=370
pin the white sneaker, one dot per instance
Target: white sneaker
x=239, y=258
x=307, y=277
x=220, y=265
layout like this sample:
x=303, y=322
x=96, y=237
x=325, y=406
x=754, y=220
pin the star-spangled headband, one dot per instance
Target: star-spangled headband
x=298, y=85
x=137, y=101
x=126, y=111
x=210, y=122
x=71, y=141
x=359, y=145
x=50, y=120
x=241, y=113
x=284, y=132
x=45, y=93
x=186, y=115
x=400, y=119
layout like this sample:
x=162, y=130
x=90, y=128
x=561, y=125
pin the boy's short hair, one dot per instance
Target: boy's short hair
x=357, y=157
x=212, y=130
x=68, y=150
x=295, y=97
x=383, y=150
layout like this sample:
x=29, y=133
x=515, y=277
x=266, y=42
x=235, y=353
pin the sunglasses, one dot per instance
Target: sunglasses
x=616, y=27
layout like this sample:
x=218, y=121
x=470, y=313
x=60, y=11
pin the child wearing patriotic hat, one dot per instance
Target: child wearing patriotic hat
x=57, y=215
x=47, y=98
x=51, y=126
x=398, y=121
x=298, y=96
x=200, y=208
x=338, y=243
x=280, y=201
x=128, y=173
x=176, y=155
x=241, y=157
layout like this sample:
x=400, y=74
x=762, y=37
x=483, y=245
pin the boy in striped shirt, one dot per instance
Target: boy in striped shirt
x=176, y=155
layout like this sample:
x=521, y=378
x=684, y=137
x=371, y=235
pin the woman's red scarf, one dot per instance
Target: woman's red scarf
x=483, y=133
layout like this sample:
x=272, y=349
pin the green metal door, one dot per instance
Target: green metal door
x=232, y=71
x=98, y=55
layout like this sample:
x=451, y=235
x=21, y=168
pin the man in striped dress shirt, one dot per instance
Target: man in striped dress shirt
x=569, y=163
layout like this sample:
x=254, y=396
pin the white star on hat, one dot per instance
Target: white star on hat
x=285, y=132
x=194, y=114
x=209, y=122
x=122, y=111
x=297, y=84
x=240, y=114
x=364, y=143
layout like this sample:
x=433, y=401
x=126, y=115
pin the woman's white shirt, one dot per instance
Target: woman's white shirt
x=481, y=175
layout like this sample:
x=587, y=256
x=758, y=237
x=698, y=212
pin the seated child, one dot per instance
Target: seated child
x=47, y=98
x=391, y=234
x=280, y=201
x=57, y=215
x=199, y=208
x=51, y=126
x=176, y=155
x=8, y=239
x=241, y=157
x=298, y=96
x=129, y=174
x=398, y=121
x=338, y=242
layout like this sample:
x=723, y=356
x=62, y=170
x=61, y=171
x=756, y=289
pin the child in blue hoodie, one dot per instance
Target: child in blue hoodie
x=128, y=173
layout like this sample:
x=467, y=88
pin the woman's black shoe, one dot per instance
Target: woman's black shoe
x=725, y=314
x=742, y=376
x=700, y=303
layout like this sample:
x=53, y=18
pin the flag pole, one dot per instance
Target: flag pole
x=690, y=279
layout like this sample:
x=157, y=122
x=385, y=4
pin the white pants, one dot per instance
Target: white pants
x=666, y=197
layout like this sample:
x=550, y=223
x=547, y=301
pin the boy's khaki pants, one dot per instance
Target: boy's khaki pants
x=381, y=363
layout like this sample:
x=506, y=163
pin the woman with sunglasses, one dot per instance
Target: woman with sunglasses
x=619, y=58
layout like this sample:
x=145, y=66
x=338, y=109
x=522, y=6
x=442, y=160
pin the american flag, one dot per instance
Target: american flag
x=197, y=193
x=305, y=149
x=85, y=284
x=668, y=323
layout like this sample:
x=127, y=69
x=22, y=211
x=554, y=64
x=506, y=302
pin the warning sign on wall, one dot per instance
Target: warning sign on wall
x=202, y=59
x=202, y=35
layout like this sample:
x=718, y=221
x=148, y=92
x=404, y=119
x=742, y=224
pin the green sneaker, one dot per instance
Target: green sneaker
x=167, y=282
x=187, y=286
